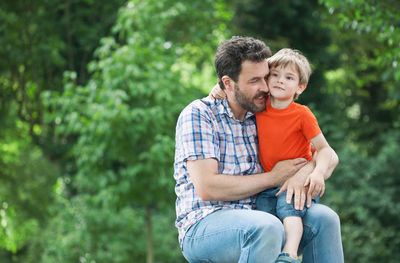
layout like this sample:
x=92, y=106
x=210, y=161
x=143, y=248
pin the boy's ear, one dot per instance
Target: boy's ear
x=228, y=82
x=301, y=88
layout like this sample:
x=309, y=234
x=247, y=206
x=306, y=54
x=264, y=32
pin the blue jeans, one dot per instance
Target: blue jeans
x=255, y=236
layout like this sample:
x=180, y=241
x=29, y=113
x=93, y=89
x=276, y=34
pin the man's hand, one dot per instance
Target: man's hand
x=283, y=170
x=295, y=186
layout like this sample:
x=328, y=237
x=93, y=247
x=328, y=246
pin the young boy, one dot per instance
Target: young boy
x=286, y=130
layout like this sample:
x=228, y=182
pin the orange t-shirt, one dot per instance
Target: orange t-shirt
x=285, y=134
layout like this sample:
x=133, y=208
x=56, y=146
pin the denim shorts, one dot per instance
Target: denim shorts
x=276, y=205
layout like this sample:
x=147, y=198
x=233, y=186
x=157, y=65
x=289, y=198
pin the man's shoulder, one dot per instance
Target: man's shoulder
x=205, y=105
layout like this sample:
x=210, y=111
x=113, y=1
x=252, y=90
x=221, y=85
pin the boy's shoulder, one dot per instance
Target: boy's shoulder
x=301, y=107
x=303, y=110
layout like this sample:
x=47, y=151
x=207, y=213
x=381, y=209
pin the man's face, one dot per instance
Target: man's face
x=251, y=88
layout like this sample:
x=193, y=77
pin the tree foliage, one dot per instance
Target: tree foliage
x=89, y=96
x=366, y=84
x=122, y=123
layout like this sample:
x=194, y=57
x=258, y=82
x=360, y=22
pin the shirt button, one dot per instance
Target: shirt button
x=249, y=159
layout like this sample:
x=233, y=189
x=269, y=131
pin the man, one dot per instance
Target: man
x=218, y=173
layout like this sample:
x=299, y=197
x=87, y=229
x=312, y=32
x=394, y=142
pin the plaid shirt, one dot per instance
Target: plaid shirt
x=207, y=128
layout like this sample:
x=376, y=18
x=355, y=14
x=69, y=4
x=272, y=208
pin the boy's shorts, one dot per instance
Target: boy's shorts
x=276, y=205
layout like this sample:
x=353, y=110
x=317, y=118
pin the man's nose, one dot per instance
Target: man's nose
x=264, y=86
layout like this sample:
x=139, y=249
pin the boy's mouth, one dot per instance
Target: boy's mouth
x=278, y=87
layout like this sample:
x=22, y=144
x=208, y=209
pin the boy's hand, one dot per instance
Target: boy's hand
x=217, y=93
x=316, y=186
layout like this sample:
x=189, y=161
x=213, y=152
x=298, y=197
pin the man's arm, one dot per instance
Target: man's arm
x=211, y=186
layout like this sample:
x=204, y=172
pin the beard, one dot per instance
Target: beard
x=246, y=102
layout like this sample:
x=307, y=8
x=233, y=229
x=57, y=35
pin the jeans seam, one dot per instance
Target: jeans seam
x=246, y=253
x=221, y=231
x=313, y=242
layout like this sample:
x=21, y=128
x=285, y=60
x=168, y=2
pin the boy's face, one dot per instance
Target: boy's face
x=283, y=82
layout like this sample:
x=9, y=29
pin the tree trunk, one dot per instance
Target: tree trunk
x=71, y=63
x=149, y=236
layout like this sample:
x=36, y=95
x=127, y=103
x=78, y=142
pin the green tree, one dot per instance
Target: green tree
x=367, y=41
x=122, y=124
x=27, y=178
x=35, y=52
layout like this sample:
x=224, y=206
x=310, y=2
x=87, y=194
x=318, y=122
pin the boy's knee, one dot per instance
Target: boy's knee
x=284, y=212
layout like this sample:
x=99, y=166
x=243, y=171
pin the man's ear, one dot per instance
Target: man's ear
x=228, y=83
x=301, y=88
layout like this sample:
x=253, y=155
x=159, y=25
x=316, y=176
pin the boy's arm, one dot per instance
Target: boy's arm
x=326, y=160
x=296, y=189
x=334, y=161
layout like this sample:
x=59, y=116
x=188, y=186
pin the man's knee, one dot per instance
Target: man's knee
x=266, y=227
x=264, y=240
x=323, y=216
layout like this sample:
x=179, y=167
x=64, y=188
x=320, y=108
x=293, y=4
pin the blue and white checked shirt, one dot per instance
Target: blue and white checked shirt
x=207, y=128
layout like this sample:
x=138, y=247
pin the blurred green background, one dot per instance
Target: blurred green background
x=90, y=92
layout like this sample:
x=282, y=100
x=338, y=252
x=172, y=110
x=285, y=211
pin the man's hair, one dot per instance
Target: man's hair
x=233, y=52
x=287, y=56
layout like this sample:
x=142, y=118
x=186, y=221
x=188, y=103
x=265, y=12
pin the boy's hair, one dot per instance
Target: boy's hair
x=233, y=52
x=287, y=56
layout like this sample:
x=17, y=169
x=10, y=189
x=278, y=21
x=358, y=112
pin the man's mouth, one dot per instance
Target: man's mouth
x=261, y=97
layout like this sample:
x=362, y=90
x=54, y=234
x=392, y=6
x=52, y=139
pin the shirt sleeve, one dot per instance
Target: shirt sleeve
x=195, y=134
x=310, y=125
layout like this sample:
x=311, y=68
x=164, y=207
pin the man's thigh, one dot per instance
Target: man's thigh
x=234, y=236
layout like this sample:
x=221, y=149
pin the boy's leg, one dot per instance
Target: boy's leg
x=293, y=226
x=292, y=223
x=234, y=236
x=321, y=242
